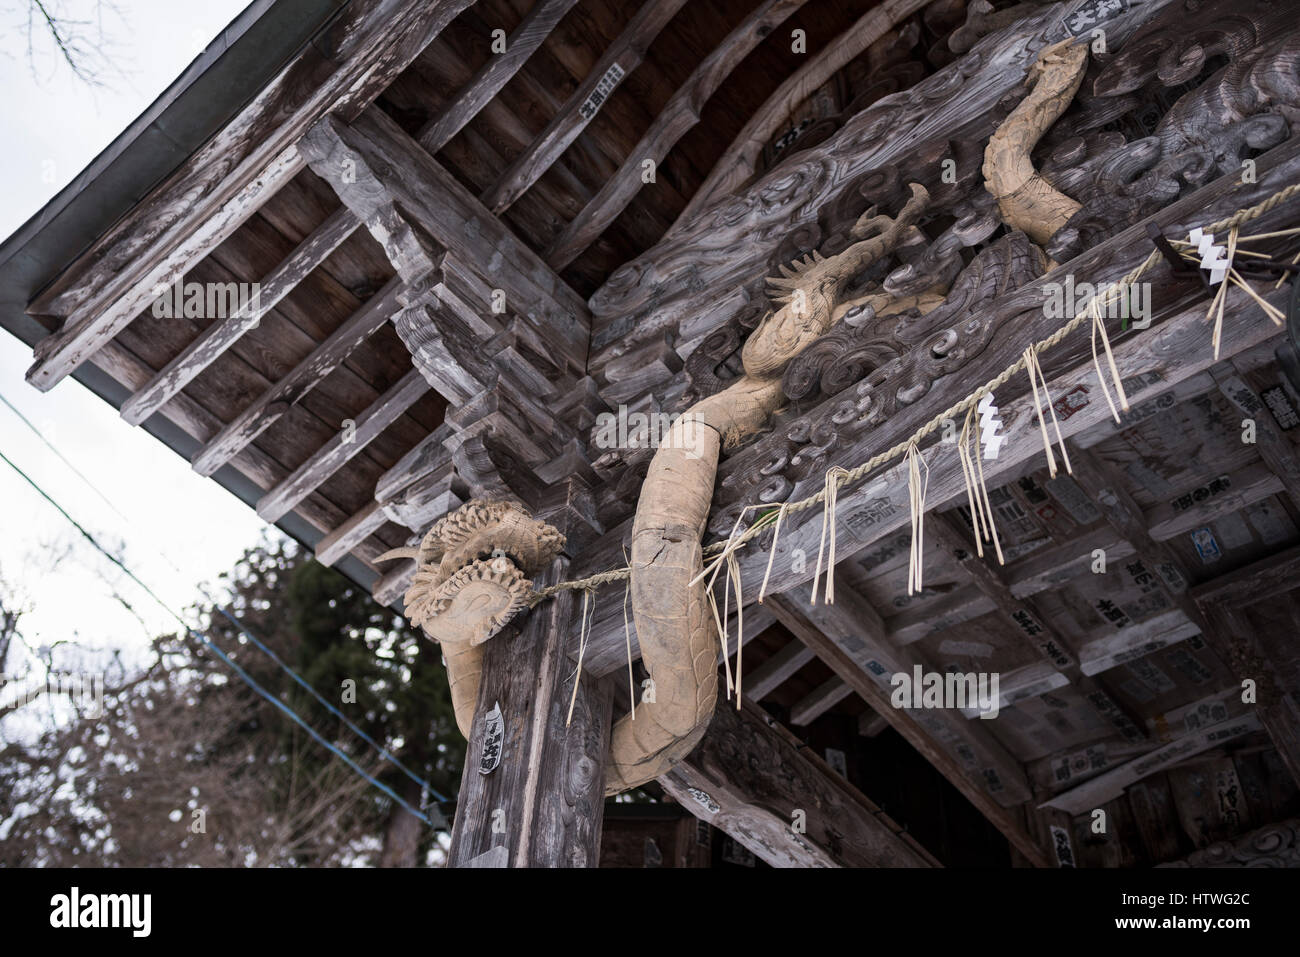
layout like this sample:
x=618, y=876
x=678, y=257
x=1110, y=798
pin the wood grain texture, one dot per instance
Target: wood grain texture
x=221, y=185
x=496, y=73
x=392, y=172
x=546, y=795
x=275, y=401
x=839, y=646
x=740, y=160
x=678, y=116
x=749, y=777
x=625, y=53
x=348, y=443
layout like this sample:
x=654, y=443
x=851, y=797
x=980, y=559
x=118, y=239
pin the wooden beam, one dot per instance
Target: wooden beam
x=309, y=476
x=221, y=185
x=1033, y=629
x=740, y=160
x=350, y=534
x=426, y=197
x=755, y=781
x=305, y=376
x=535, y=27
x=836, y=639
x=678, y=115
x=1274, y=448
x=820, y=700
x=542, y=799
x=1107, y=647
x=1107, y=786
x=921, y=621
x=775, y=671
x=1224, y=601
x=721, y=255
x=225, y=331
x=1249, y=485
x=196, y=421
x=880, y=506
x=389, y=589
x=623, y=56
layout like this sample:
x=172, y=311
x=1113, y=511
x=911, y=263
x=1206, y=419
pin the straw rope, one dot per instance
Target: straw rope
x=845, y=478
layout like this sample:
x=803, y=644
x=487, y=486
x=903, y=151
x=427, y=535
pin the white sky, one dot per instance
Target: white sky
x=180, y=529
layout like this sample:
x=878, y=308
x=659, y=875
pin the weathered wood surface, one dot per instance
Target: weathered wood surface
x=776, y=670
x=1175, y=349
x=729, y=246
x=275, y=401
x=348, y=443
x=837, y=643
x=680, y=114
x=543, y=801
x=820, y=700
x=750, y=778
x=224, y=330
x=623, y=56
x=399, y=174
x=1276, y=450
x=1110, y=785
x=968, y=341
x=740, y=160
x=496, y=73
x=222, y=184
x=1256, y=647
x=350, y=534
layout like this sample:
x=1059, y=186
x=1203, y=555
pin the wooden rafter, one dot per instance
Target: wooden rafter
x=496, y=73
x=820, y=700
x=350, y=534
x=740, y=160
x=305, y=376
x=343, y=447
x=1028, y=625
x=846, y=636
x=224, y=332
x=749, y=776
x=432, y=200
x=680, y=114
x=623, y=56
x=776, y=670
x=1274, y=448
x=228, y=179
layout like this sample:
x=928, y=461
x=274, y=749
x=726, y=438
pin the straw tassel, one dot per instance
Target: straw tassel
x=1099, y=328
x=830, y=494
x=776, y=534
x=583, y=633
x=1035, y=371
x=916, y=490
x=627, y=635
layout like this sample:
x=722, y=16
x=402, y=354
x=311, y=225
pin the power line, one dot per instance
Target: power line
x=383, y=752
x=48, y=444
x=207, y=641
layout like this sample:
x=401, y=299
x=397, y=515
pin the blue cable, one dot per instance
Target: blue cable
x=383, y=752
x=204, y=638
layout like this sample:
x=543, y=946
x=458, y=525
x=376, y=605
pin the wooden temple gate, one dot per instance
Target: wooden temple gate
x=460, y=290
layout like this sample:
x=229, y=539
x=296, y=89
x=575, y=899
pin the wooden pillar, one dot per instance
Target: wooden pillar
x=540, y=803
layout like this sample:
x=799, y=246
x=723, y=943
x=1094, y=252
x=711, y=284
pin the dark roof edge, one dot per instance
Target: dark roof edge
x=256, y=45
x=216, y=85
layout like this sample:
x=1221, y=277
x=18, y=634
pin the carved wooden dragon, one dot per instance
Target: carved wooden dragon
x=472, y=564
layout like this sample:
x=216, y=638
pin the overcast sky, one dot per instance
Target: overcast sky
x=179, y=529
